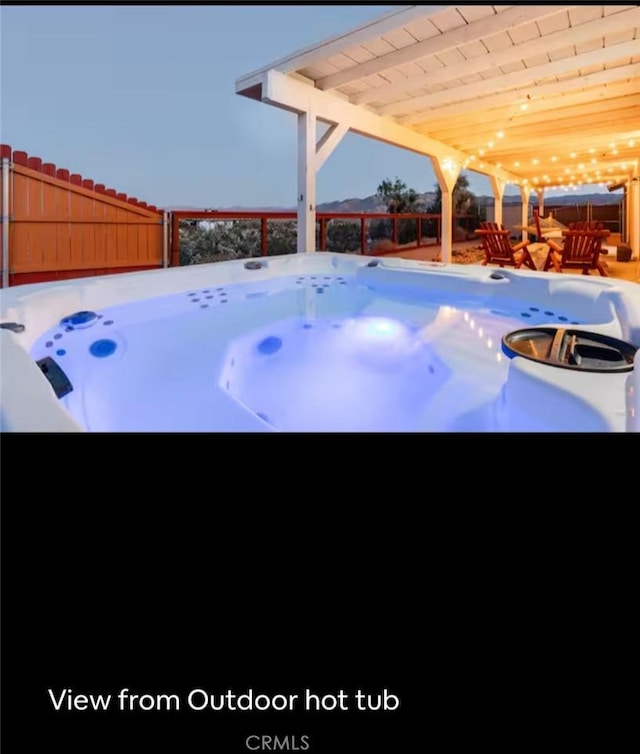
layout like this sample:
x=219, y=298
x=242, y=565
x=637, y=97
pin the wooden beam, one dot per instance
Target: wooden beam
x=328, y=142
x=283, y=91
x=598, y=97
x=593, y=86
x=590, y=128
x=509, y=18
x=526, y=77
x=307, y=56
x=492, y=61
x=598, y=139
x=488, y=123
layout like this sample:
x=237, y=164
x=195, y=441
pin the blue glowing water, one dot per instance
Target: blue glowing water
x=309, y=353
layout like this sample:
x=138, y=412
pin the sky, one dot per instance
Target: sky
x=142, y=99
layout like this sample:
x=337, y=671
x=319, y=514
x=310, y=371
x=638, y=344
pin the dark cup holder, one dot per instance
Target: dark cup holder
x=571, y=349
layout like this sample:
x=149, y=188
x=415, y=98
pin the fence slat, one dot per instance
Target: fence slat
x=63, y=211
x=89, y=229
x=111, y=232
x=75, y=230
x=132, y=247
x=20, y=250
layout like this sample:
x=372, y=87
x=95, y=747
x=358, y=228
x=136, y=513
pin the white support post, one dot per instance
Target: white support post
x=540, y=193
x=306, y=182
x=497, y=186
x=165, y=239
x=525, y=192
x=633, y=212
x=447, y=171
x=6, y=167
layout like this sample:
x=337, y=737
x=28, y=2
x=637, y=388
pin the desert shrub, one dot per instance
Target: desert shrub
x=343, y=236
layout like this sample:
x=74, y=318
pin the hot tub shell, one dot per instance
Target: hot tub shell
x=535, y=397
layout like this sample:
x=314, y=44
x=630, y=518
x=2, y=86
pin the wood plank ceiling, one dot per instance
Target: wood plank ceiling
x=549, y=93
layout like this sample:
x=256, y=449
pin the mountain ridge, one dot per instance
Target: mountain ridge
x=374, y=204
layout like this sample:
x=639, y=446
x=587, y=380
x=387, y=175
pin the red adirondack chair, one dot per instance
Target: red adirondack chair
x=581, y=249
x=498, y=249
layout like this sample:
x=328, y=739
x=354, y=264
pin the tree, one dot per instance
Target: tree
x=464, y=200
x=464, y=203
x=398, y=198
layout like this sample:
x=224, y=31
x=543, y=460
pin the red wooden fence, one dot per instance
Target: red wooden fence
x=61, y=225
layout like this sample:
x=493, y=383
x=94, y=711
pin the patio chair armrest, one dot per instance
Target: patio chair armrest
x=521, y=245
x=553, y=245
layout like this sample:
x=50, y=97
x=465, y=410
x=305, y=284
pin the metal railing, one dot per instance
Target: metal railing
x=216, y=235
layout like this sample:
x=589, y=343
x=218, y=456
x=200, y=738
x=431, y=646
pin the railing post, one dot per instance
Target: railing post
x=439, y=229
x=323, y=234
x=418, y=231
x=394, y=224
x=6, y=167
x=165, y=239
x=175, y=241
x=263, y=236
x=363, y=236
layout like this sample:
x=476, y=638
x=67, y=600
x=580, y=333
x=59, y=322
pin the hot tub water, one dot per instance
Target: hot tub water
x=299, y=353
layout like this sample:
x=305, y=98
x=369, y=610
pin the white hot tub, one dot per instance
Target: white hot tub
x=312, y=343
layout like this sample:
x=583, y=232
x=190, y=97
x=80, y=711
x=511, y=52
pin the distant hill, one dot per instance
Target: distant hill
x=355, y=204
x=373, y=203
x=368, y=204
